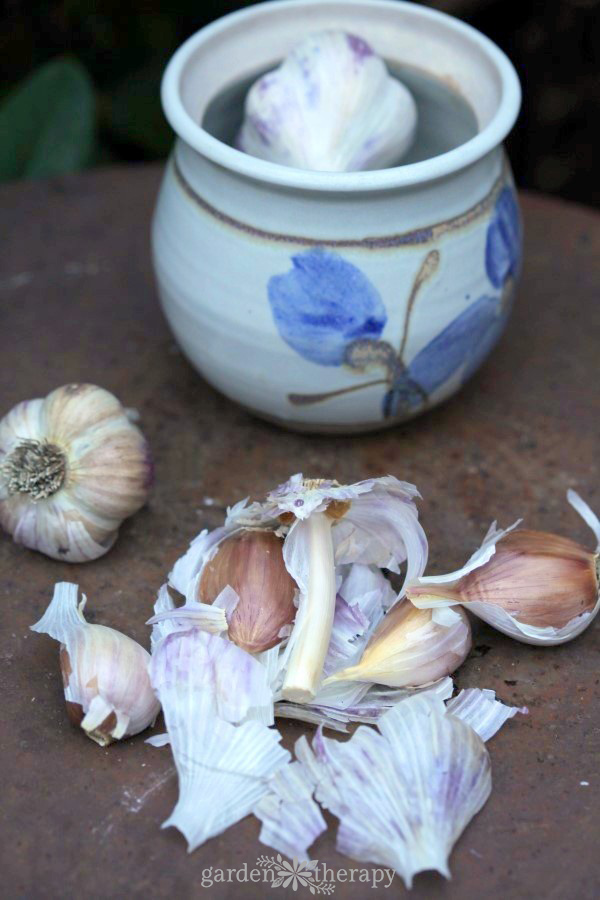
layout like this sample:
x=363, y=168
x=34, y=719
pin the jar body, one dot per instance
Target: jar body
x=334, y=311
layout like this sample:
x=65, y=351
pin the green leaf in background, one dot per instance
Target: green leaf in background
x=47, y=122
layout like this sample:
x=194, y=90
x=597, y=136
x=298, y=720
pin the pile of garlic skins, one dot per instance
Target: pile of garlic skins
x=286, y=611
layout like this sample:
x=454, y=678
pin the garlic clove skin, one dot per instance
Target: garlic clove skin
x=72, y=467
x=105, y=673
x=412, y=647
x=331, y=106
x=252, y=564
x=536, y=587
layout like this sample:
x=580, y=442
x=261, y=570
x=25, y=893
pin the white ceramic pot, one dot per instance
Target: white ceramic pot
x=336, y=301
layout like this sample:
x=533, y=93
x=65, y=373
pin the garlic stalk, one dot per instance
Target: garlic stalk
x=72, y=467
x=305, y=666
x=105, y=673
x=538, y=588
x=411, y=647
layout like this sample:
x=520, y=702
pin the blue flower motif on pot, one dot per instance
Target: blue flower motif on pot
x=328, y=311
x=503, y=240
x=322, y=304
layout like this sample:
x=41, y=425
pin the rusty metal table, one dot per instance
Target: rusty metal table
x=77, y=302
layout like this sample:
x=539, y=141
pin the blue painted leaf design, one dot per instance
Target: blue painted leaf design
x=503, y=241
x=403, y=397
x=468, y=338
x=322, y=304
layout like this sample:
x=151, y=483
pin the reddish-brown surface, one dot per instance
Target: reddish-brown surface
x=77, y=302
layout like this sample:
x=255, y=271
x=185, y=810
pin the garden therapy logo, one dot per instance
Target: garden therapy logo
x=316, y=877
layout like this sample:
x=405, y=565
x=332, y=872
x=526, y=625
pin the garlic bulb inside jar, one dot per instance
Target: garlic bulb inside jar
x=72, y=467
x=331, y=106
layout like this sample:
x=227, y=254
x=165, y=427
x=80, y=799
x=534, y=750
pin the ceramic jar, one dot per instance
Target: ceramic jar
x=336, y=301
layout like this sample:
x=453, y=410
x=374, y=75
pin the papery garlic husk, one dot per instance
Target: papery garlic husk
x=330, y=106
x=105, y=673
x=411, y=647
x=72, y=467
x=404, y=795
x=537, y=587
x=208, y=688
x=251, y=563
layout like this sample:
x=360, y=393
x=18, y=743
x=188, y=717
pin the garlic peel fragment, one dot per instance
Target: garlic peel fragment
x=105, y=673
x=330, y=106
x=537, y=588
x=223, y=768
x=367, y=708
x=291, y=819
x=72, y=467
x=482, y=712
x=432, y=775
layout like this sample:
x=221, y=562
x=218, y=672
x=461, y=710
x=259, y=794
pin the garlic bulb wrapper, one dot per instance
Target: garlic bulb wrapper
x=105, y=673
x=537, y=587
x=72, y=467
x=330, y=106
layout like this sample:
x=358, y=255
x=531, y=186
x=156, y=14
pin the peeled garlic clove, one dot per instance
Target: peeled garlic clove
x=411, y=647
x=330, y=106
x=105, y=673
x=251, y=563
x=72, y=467
x=404, y=795
x=537, y=587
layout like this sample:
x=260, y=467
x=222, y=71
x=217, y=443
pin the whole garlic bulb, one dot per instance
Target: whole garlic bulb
x=330, y=106
x=72, y=467
x=105, y=673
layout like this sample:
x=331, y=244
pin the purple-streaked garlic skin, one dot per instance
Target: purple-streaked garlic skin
x=330, y=106
x=251, y=562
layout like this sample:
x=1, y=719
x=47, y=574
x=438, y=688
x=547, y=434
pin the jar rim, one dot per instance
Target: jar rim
x=472, y=150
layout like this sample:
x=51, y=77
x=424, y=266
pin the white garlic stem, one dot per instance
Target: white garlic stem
x=307, y=657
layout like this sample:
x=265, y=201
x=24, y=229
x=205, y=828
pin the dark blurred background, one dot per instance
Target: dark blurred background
x=80, y=83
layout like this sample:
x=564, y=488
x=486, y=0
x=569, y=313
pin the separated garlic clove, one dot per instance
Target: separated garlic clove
x=411, y=647
x=105, y=673
x=537, y=587
x=330, y=106
x=72, y=467
x=251, y=563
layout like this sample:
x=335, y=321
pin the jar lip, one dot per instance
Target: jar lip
x=490, y=137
